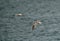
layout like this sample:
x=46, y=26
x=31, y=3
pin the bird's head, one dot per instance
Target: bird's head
x=38, y=21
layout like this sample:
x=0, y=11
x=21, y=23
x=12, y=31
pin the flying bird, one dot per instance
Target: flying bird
x=35, y=23
x=19, y=14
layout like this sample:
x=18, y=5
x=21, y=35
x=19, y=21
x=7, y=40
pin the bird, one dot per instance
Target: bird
x=19, y=14
x=35, y=23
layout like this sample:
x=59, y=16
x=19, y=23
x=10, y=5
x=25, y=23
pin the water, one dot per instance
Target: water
x=18, y=28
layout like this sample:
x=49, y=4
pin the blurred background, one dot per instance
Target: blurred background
x=19, y=28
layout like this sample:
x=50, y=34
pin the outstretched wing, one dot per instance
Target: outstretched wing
x=33, y=27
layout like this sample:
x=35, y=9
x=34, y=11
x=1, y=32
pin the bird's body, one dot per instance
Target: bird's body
x=35, y=23
x=19, y=14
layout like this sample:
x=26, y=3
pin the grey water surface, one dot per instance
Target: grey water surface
x=19, y=28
